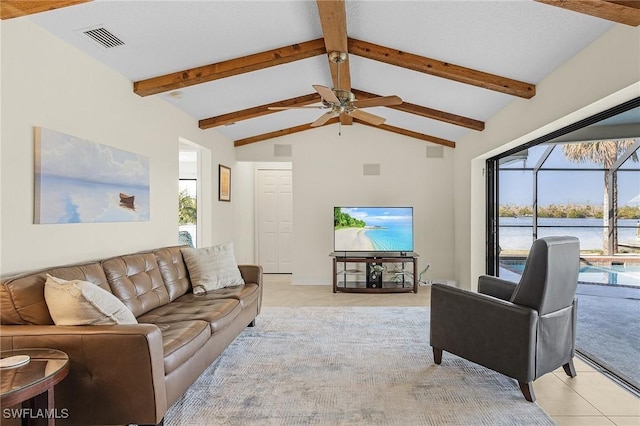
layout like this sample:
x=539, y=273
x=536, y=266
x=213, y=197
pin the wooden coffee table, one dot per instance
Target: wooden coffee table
x=32, y=385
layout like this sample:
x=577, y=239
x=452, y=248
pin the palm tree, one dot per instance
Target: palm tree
x=604, y=153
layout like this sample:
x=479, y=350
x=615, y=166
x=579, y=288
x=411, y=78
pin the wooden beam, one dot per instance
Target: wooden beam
x=16, y=8
x=305, y=127
x=411, y=134
x=278, y=133
x=245, y=114
x=333, y=18
x=441, y=69
x=206, y=73
x=433, y=114
x=622, y=12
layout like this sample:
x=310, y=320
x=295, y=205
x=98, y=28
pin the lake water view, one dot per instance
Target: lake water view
x=516, y=232
x=516, y=237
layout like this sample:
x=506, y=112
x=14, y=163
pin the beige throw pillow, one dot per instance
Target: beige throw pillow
x=212, y=267
x=79, y=302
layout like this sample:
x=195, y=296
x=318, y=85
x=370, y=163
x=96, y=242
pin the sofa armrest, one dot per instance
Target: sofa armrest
x=486, y=330
x=120, y=364
x=251, y=273
x=496, y=287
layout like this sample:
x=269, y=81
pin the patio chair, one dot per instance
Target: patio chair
x=522, y=330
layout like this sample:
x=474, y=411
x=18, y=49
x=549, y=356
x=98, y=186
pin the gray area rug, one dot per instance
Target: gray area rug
x=348, y=366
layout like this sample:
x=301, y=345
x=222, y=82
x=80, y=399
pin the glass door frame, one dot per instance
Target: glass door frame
x=492, y=168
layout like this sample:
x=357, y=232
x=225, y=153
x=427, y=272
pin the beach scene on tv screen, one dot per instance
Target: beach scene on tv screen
x=373, y=228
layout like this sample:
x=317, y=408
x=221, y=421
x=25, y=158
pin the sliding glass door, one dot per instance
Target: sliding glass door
x=582, y=181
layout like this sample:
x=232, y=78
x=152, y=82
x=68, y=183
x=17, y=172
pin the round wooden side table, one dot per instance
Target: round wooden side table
x=32, y=385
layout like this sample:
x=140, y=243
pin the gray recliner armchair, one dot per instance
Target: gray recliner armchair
x=522, y=330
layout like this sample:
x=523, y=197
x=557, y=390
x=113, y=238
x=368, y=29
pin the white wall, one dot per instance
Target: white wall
x=603, y=75
x=47, y=83
x=328, y=172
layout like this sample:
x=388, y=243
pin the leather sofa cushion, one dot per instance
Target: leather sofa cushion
x=22, y=297
x=135, y=279
x=173, y=270
x=181, y=340
x=219, y=313
x=246, y=294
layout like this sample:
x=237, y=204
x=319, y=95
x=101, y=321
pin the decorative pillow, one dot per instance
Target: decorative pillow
x=212, y=267
x=79, y=302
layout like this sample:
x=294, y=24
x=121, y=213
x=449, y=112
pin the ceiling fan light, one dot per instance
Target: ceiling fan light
x=337, y=57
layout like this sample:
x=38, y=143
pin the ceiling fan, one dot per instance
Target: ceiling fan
x=344, y=102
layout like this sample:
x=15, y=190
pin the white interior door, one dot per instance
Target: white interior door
x=275, y=220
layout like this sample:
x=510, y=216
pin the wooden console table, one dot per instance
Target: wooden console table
x=372, y=273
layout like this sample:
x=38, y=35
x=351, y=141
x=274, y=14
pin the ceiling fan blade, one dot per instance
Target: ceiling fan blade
x=376, y=120
x=324, y=118
x=326, y=94
x=374, y=102
x=297, y=107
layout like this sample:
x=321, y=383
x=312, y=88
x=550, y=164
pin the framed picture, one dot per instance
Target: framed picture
x=79, y=181
x=224, y=183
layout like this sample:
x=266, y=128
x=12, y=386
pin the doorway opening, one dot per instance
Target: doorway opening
x=188, y=191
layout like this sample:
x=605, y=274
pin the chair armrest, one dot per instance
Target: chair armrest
x=496, y=287
x=251, y=273
x=486, y=330
x=116, y=373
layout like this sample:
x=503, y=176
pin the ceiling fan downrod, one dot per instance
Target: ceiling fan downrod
x=338, y=58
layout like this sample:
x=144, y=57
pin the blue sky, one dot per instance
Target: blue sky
x=562, y=187
x=554, y=187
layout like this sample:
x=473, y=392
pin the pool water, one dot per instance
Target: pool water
x=622, y=275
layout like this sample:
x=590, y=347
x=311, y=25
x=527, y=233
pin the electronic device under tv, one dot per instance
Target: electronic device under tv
x=373, y=229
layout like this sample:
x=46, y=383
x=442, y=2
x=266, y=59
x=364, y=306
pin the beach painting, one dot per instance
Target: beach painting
x=78, y=181
x=373, y=229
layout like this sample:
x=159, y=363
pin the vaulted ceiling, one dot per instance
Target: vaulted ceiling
x=454, y=63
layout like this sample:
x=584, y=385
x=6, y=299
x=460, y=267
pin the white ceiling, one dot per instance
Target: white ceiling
x=522, y=40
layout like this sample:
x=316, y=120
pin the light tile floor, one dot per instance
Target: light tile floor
x=589, y=399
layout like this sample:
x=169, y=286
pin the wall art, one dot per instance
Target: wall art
x=78, y=181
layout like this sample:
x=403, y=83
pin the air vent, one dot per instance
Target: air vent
x=371, y=169
x=435, y=152
x=282, y=150
x=104, y=37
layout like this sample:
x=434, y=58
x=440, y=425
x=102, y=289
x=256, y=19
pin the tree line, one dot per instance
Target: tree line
x=344, y=220
x=572, y=211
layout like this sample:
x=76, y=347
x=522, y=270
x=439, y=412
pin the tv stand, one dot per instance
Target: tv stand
x=375, y=273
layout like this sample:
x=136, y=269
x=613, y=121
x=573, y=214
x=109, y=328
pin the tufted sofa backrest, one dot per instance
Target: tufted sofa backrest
x=22, y=297
x=173, y=270
x=135, y=279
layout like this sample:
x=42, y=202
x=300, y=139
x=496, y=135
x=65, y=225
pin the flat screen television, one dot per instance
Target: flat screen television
x=373, y=229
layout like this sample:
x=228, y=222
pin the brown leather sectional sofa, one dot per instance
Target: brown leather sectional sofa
x=123, y=374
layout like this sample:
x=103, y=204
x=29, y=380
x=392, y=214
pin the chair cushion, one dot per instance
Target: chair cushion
x=180, y=340
x=246, y=294
x=219, y=313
